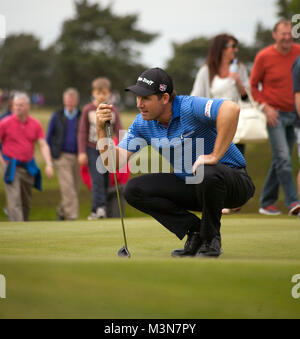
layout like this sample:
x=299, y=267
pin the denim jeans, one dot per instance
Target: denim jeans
x=282, y=139
x=99, y=180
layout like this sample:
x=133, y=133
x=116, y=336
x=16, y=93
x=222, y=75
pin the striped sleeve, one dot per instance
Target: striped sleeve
x=206, y=109
x=132, y=142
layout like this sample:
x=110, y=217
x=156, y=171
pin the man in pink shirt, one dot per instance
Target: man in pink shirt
x=18, y=134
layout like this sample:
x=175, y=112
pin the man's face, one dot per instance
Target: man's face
x=151, y=107
x=21, y=107
x=283, y=36
x=70, y=102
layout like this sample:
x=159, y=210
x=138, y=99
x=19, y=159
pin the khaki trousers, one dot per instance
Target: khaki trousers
x=69, y=179
x=18, y=195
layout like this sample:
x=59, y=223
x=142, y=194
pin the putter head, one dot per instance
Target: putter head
x=123, y=252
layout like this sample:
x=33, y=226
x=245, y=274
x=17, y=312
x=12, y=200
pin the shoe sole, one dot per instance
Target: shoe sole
x=265, y=212
x=173, y=255
x=208, y=255
x=183, y=256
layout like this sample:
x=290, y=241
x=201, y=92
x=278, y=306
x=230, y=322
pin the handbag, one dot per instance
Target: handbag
x=252, y=125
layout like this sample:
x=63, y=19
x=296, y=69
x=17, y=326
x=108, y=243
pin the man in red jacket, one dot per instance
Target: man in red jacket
x=273, y=71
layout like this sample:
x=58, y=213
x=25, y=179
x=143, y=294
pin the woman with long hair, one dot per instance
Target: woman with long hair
x=222, y=76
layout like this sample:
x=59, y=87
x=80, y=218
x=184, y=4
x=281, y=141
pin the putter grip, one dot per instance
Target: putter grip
x=108, y=129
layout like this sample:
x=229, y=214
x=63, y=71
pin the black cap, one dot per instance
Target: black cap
x=152, y=81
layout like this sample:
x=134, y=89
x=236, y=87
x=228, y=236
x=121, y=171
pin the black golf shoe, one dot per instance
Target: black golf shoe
x=191, y=246
x=211, y=249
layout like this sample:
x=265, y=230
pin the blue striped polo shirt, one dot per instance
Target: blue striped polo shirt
x=190, y=133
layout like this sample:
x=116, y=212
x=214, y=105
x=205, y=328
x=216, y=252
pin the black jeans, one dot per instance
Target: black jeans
x=169, y=199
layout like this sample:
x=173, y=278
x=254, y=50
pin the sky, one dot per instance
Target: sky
x=174, y=20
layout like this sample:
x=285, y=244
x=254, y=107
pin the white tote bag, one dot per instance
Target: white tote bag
x=252, y=125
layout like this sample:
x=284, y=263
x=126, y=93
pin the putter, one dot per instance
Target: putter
x=123, y=252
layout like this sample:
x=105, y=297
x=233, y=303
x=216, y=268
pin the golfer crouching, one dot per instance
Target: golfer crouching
x=195, y=135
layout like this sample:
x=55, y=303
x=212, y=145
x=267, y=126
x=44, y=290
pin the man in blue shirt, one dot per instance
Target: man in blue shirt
x=209, y=171
x=62, y=139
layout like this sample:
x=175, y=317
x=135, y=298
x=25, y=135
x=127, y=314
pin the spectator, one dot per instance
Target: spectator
x=62, y=139
x=272, y=69
x=216, y=80
x=296, y=83
x=18, y=134
x=87, y=141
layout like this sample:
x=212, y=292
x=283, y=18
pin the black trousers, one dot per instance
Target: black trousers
x=169, y=199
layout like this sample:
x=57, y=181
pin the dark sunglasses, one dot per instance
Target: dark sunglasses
x=231, y=46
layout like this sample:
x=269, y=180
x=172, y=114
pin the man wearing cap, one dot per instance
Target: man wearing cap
x=181, y=123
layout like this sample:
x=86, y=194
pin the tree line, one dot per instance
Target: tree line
x=96, y=41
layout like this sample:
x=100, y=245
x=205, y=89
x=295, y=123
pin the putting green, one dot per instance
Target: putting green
x=71, y=270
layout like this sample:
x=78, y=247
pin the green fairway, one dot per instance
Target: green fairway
x=71, y=269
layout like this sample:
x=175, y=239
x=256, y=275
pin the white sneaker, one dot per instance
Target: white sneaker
x=100, y=213
x=295, y=209
x=269, y=210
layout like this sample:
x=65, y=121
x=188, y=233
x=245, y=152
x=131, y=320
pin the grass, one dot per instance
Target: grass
x=71, y=270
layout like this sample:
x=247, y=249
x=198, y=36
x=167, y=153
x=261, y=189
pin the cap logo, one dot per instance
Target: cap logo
x=163, y=87
x=148, y=82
